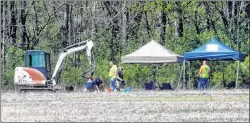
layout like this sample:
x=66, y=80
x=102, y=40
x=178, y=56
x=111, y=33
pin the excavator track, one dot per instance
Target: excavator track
x=37, y=89
x=25, y=89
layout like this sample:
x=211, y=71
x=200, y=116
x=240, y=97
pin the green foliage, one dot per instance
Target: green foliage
x=245, y=69
x=231, y=72
x=73, y=75
x=58, y=29
x=217, y=79
x=168, y=73
x=102, y=70
x=14, y=58
x=136, y=74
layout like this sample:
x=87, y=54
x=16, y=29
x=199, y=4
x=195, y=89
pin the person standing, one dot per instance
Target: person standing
x=203, y=75
x=120, y=78
x=113, y=76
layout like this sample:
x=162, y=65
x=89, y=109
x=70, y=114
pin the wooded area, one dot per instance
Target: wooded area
x=120, y=27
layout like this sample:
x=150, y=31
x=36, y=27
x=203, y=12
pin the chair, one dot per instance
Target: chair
x=165, y=86
x=149, y=86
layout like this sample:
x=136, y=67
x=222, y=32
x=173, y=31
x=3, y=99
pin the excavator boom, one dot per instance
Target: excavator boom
x=88, y=44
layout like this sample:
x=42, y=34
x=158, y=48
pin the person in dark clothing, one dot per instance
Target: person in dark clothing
x=99, y=83
x=89, y=84
x=92, y=85
x=121, y=82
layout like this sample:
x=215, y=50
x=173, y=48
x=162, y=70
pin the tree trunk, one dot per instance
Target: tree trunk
x=25, y=41
x=13, y=23
x=3, y=43
x=114, y=31
x=248, y=10
x=112, y=12
x=66, y=26
x=147, y=25
x=8, y=22
x=238, y=25
x=179, y=21
x=163, y=22
x=124, y=26
x=231, y=30
x=70, y=24
x=196, y=23
x=135, y=28
x=34, y=39
x=181, y=27
x=210, y=22
x=93, y=20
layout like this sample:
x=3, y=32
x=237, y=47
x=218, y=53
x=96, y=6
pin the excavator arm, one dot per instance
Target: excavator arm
x=88, y=44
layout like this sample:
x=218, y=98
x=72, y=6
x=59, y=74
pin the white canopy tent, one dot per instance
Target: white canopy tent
x=152, y=53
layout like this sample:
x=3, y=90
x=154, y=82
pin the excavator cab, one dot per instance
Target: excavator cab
x=39, y=60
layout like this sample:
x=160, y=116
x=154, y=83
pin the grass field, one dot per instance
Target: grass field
x=137, y=106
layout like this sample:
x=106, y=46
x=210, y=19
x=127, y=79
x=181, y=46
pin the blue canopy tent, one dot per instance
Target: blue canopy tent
x=213, y=50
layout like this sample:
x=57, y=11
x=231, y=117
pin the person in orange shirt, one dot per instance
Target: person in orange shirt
x=203, y=75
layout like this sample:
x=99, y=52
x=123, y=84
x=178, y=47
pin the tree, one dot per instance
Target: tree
x=119, y=28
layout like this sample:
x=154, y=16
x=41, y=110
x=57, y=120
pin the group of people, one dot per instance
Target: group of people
x=115, y=77
x=94, y=84
x=117, y=82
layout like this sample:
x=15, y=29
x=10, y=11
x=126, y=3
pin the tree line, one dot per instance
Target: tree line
x=119, y=28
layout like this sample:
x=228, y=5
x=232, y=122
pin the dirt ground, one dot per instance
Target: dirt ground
x=136, y=106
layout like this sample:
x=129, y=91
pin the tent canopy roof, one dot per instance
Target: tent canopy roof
x=152, y=52
x=213, y=50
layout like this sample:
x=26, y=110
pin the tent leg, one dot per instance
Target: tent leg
x=155, y=82
x=154, y=72
x=237, y=74
x=189, y=75
x=184, y=76
x=178, y=84
x=223, y=76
